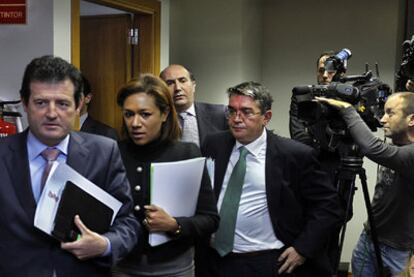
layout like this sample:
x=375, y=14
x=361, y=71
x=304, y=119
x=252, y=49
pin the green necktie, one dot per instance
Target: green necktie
x=224, y=238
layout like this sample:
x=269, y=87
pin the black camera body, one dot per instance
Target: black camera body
x=366, y=94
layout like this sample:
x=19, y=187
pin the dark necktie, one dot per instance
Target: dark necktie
x=224, y=238
x=50, y=155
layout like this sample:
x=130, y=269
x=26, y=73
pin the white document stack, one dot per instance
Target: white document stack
x=175, y=187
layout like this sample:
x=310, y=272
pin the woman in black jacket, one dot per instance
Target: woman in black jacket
x=153, y=130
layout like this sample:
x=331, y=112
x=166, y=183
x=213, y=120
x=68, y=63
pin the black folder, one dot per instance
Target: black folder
x=75, y=201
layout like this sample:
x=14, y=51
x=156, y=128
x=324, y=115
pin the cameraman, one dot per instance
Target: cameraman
x=403, y=82
x=297, y=127
x=315, y=136
x=404, y=78
x=392, y=205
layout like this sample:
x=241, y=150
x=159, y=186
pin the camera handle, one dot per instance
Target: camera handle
x=350, y=167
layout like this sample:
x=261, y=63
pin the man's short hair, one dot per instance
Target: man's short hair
x=329, y=53
x=192, y=78
x=86, y=86
x=50, y=69
x=256, y=91
x=408, y=104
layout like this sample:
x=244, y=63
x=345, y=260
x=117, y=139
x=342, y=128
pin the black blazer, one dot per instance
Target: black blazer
x=96, y=127
x=137, y=160
x=211, y=119
x=303, y=206
x=27, y=251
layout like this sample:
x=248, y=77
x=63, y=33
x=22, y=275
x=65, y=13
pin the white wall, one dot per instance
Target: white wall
x=220, y=42
x=277, y=43
x=62, y=29
x=19, y=44
x=296, y=32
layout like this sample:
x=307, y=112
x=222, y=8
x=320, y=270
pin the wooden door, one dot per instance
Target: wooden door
x=145, y=57
x=105, y=55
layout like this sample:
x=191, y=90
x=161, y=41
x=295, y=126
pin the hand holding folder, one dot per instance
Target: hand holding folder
x=175, y=187
x=75, y=201
x=66, y=194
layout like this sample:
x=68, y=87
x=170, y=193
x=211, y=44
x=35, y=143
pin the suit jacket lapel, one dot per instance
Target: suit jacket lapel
x=203, y=122
x=222, y=160
x=17, y=164
x=273, y=172
x=86, y=124
x=77, y=153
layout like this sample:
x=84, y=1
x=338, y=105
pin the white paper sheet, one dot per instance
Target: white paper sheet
x=50, y=198
x=175, y=187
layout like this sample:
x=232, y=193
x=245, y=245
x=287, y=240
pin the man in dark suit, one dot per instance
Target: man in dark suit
x=201, y=118
x=276, y=206
x=51, y=93
x=89, y=124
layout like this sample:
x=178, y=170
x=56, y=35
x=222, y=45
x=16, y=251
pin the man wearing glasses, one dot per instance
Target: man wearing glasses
x=276, y=207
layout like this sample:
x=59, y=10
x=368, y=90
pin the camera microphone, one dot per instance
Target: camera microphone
x=338, y=63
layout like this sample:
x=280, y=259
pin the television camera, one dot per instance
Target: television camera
x=365, y=92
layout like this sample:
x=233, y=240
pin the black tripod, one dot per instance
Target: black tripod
x=351, y=165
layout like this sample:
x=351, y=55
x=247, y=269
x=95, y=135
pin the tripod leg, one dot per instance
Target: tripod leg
x=350, y=196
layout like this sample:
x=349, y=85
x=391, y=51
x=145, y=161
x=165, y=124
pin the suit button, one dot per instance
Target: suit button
x=139, y=169
x=137, y=188
x=137, y=208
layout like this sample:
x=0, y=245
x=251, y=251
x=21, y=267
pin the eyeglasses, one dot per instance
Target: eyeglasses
x=243, y=113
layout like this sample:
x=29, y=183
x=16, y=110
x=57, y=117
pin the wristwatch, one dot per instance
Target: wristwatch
x=177, y=232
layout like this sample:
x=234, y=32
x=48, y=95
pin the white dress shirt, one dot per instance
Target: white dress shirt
x=254, y=231
x=37, y=163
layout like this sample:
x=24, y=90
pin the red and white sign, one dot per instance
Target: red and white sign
x=13, y=11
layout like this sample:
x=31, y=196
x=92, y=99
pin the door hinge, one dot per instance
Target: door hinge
x=133, y=36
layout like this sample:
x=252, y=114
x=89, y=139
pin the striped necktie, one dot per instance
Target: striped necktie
x=50, y=155
x=189, y=128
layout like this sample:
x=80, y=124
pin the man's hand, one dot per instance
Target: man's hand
x=90, y=244
x=158, y=220
x=290, y=259
x=339, y=104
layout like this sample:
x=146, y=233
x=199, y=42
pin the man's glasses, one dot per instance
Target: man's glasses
x=243, y=113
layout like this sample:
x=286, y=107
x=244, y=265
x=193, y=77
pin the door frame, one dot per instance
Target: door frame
x=148, y=7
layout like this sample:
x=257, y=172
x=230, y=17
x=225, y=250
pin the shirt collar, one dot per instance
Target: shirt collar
x=35, y=147
x=191, y=110
x=82, y=119
x=255, y=146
